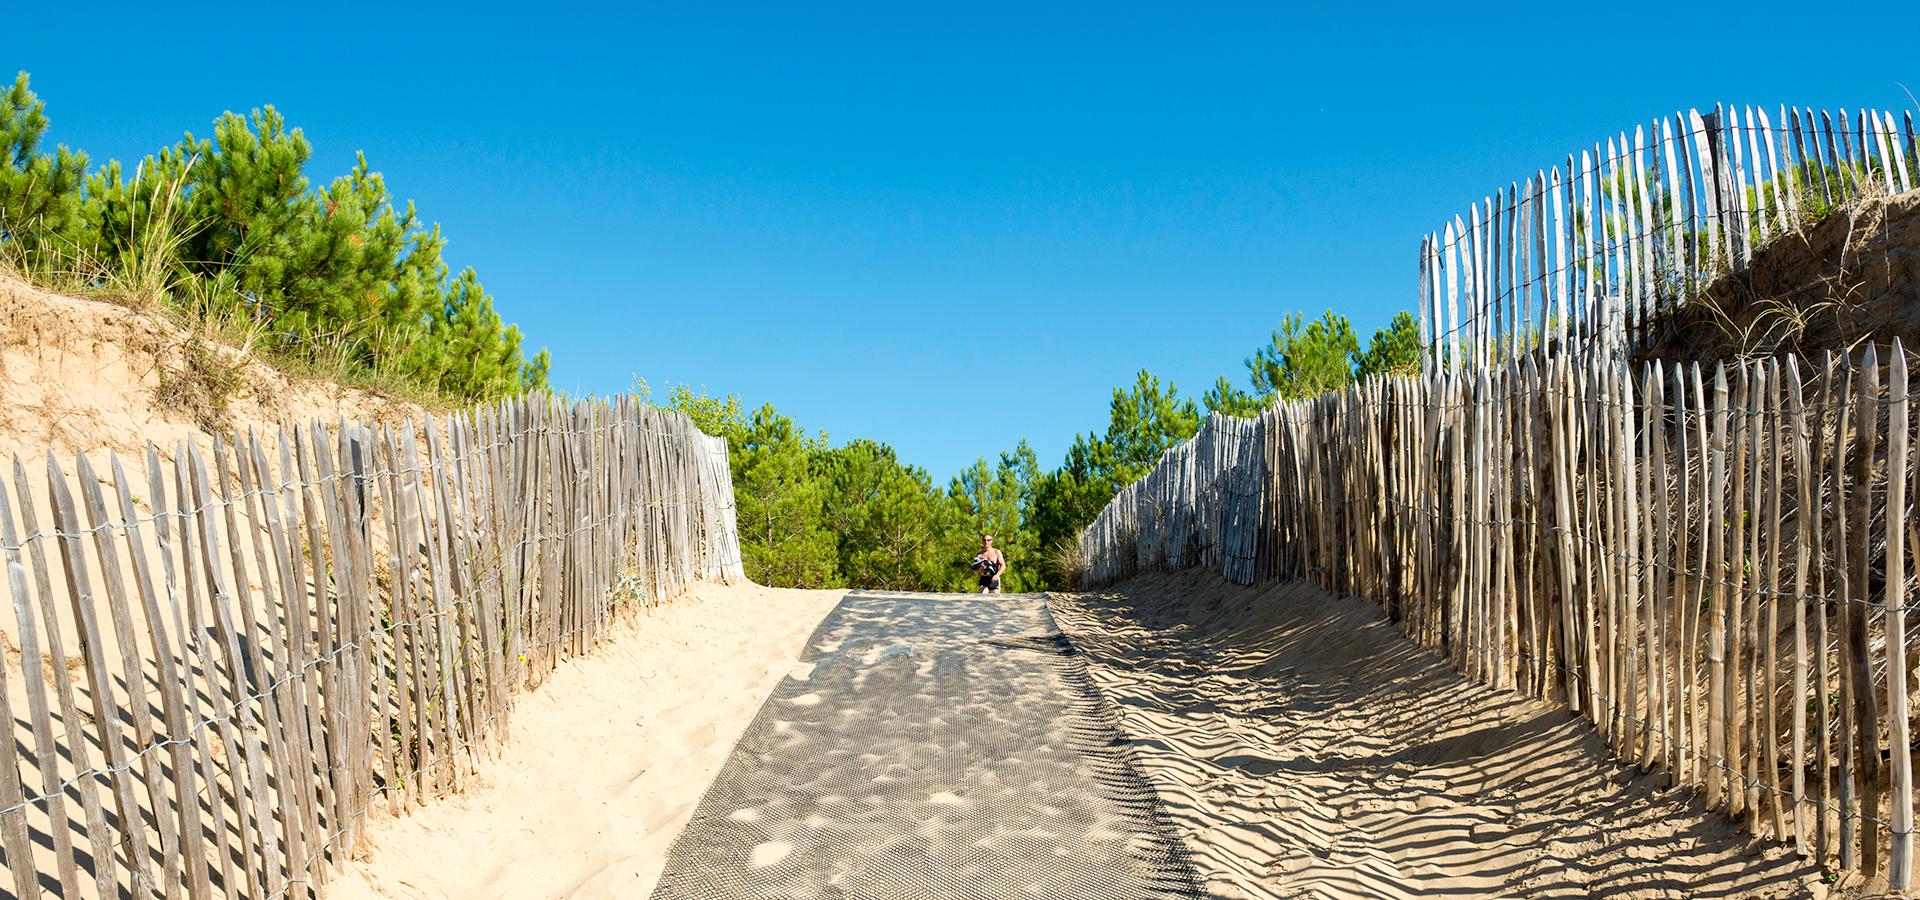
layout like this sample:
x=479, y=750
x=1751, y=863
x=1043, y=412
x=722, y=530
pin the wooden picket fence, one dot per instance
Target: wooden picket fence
x=228, y=656
x=1712, y=567
x=1589, y=256
x=1199, y=507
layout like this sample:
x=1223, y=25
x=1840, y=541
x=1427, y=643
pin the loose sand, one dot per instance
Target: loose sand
x=79, y=374
x=1306, y=748
x=606, y=761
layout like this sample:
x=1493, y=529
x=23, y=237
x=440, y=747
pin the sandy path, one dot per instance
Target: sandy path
x=1308, y=749
x=930, y=747
x=606, y=760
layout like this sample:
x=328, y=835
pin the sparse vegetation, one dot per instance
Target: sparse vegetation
x=1834, y=283
x=203, y=384
x=1066, y=566
x=815, y=515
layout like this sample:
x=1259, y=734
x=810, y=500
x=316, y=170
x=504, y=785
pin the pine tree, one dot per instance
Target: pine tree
x=993, y=499
x=781, y=505
x=1394, y=350
x=466, y=350
x=1228, y=399
x=1142, y=422
x=1305, y=360
x=336, y=272
x=888, y=519
x=42, y=210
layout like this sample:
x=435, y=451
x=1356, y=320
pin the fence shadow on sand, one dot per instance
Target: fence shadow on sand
x=1304, y=743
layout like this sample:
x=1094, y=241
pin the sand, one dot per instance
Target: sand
x=1832, y=284
x=939, y=747
x=606, y=760
x=80, y=374
x=1305, y=748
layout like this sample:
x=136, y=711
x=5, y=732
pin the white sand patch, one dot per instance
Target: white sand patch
x=606, y=760
x=769, y=853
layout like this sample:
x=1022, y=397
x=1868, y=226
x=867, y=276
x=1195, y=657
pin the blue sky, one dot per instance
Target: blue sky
x=944, y=227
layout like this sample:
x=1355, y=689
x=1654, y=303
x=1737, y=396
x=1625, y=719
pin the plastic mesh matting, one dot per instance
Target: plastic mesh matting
x=935, y=746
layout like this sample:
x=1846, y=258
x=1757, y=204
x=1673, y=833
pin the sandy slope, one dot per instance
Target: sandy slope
x=606, y=760
x=78, y=374
x=1307, y=749
x=86, y=375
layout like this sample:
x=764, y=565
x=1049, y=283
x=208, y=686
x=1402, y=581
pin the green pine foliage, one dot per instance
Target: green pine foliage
x=41, y=206
x=781, y=503
x=815, y=515
x=994, y=499
x=1230, y=399
x=889, y=520
x=1305, y=361
x=229, y=229
x=1142, y=423
x=1301, y=359
x=1394, y=350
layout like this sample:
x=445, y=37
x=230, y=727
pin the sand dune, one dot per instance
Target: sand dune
x=1307, y=749
x=606, y=761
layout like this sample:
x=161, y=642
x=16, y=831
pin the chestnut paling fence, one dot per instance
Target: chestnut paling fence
x=1712, y=566
x=1589, y=255
x=222, y=658
x=1201, y=506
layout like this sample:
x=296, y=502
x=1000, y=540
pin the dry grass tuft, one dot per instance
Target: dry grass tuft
x=1833, y=284
x=1065, y=564
x=204, y=384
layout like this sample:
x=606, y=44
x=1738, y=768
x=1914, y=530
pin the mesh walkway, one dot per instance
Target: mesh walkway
x=930, y=746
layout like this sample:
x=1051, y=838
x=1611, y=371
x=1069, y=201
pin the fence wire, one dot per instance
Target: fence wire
x=1539, y=523
x=349, y=628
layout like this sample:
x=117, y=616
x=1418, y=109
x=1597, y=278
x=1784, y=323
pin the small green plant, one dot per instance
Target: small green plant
x=628, y=589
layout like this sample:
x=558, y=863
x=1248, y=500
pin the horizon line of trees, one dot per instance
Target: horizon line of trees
x=814, y=515
x=228, y=232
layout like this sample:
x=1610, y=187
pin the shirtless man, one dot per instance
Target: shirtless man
x=993, y=565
